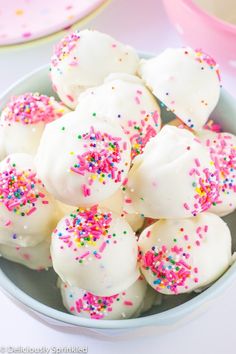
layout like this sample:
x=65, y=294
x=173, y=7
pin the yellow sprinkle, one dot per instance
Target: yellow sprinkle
x=19, y=12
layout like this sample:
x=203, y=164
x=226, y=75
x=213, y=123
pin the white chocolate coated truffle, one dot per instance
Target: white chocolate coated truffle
x=24, y=119
x=83, y=59
x=95, y=250
x=35, y=257
x=125, y=100
x=27, y=212
x=222, y=148
x=174, y=177
x=126, y=304
x=186, y=81
x=82, y=162
x=182, y=255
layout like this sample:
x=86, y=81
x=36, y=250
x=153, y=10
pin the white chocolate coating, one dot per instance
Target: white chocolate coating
x=222, y=148
x=2, y=144
x=173, y=178
x=116, y=204
x=27, y=212
x=127, y=304
x=35, y=257
x=186, y=81
x=24, y=119
x=182, y=255
x=95, y=250
x=83, y=59
x=125, y=100
x=82, y=162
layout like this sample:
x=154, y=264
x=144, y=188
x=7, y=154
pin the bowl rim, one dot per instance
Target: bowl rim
x=215, y=21
x=166, y=317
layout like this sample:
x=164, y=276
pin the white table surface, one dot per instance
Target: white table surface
x=144, y=25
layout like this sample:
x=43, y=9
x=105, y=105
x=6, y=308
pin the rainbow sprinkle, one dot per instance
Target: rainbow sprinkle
x=141, y=133
x=101, y=160
x=32, y=108
x=85, y=228
x=223, y=152
x=202, y=57
x=97, y=307
x=170, y=269
x=206, y=186
x=63, y=49
x=19, y=190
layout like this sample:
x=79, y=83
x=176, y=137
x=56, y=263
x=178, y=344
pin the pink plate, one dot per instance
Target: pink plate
x=26, y=20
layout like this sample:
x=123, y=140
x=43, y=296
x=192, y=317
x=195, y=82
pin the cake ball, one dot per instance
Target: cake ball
x=82, y=162
x=125, y=100
x=182, y=255
x=126, y=304
x=83, y=59
x=95, y=250
x=174, y=177
x=27, y=212
x=35, y=257
x=186, y=81
x=222, y=148
x=24, y=119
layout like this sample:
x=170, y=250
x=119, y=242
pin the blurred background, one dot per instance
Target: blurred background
x=149, y=26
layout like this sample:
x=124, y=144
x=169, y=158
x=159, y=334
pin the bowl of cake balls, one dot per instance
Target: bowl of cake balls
x=117, y=187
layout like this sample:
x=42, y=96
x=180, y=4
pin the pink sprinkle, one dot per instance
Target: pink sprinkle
x=8, y=222
x=26, y=34
x=128, y=201
x=137, y=100
x=128, y=303
x=125, y=182
x=70, y=98
x=186, y=206
x=148, y=234
x=31, y=211
x=85, y=255
x=78, y=171
x=155, y=117
x=86, y=191
x=102, y=247
x=197, y=162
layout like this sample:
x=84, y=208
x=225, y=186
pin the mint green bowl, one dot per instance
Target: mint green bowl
x=36, y=292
